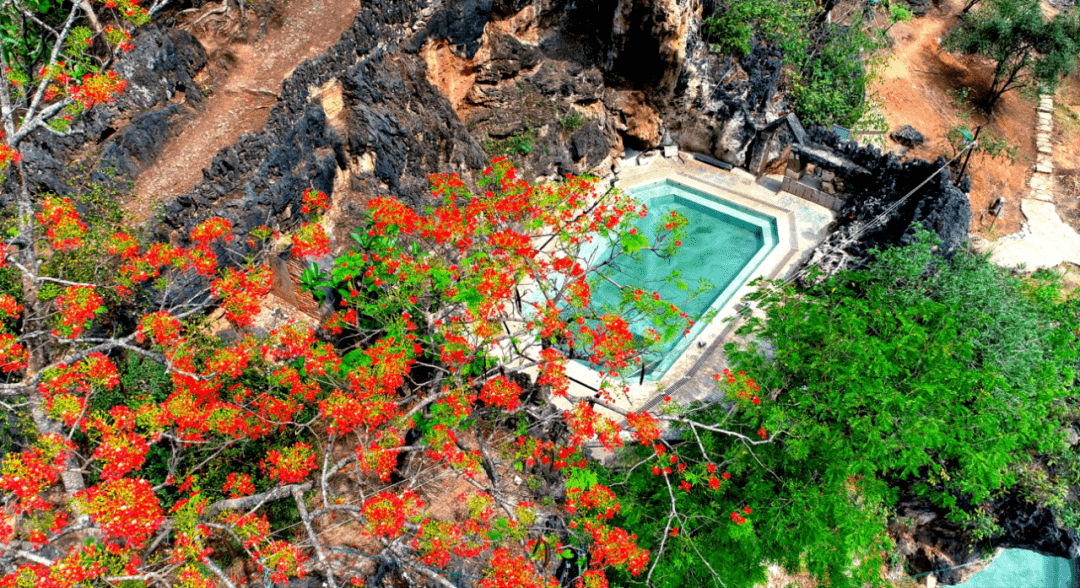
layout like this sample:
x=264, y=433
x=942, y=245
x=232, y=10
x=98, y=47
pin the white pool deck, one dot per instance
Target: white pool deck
x=801, y=225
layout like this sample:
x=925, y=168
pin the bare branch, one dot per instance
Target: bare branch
x=257, y=500
x=299, y=498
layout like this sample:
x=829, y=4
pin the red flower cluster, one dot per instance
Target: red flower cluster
x=237, y=485
x=211, y=230
x=97, y=88
x=120, y=37
x=9, y=307
x=553, y=372
x=310, y=242
x=386, y=512
x=240, y=293
x=28, y=474
x=599, y=499
x=615, y=547
x=292, y=465
x=121, y=452
x=62, y=224
x=13, y=356
x=315, y=202
x=163, y=329
x=500, y=391
x=77, y=305
x=124, y=508
x=646, y=427
x=744, y=388
x=8, y=155
x=585, y=423
x=514, y=571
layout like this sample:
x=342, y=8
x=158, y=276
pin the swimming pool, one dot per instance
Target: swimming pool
x=725, y=243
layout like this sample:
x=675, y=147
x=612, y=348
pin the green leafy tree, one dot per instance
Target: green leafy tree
x=1026, y=49
x=833, y=84
x=733, y=27
x=917, y=375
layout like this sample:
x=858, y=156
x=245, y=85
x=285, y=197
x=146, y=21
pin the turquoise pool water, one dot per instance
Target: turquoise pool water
x=723, y=246
x=1020, y=568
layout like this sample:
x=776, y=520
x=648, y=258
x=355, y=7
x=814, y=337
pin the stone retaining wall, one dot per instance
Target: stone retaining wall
x=796, y=187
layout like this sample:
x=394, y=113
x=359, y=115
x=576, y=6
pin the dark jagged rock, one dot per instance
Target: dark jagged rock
x=908, y=136
x=142, y=140
x=919, y=7
x=932, y=543
x=136, y=127
x=1029, y=526
x=762, y=65
x=721, y=104
x=462, y=23
x=875, y=217
x=589, y=145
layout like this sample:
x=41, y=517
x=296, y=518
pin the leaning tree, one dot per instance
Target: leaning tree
x=1027, y=50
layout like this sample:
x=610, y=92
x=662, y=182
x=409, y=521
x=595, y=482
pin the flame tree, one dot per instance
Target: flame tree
x=419, y=416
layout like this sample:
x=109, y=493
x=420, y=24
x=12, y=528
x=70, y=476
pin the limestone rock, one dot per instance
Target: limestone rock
x=589, y=144
x=908, y=136
x=638, y=122
x=733, y=139
x=649, y=40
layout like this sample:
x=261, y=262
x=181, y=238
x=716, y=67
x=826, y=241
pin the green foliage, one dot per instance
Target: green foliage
x=832, y=87
x=572, y=121
x=23, y=41
x=899, y=12
x=516, y=144
x=732, y=28
x=932, y=377
x=1026, y=49
x=99, y=196
x=989, y=143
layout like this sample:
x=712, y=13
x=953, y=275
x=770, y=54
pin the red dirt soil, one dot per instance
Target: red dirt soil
x=915, y=89
x=243, y=80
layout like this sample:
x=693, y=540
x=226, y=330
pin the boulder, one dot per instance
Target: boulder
x=589, y=145
x=919, y=7
x=930, y=542
x=908, y=136
x=733, y=138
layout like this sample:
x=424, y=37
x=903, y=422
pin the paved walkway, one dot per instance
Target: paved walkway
x=1044, y=240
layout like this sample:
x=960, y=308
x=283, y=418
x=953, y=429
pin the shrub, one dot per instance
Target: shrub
x=919, y=375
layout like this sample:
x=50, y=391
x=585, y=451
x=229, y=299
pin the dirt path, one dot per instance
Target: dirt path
x=243, y=81
x=916, y=89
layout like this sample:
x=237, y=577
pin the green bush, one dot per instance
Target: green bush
x=1027, y=50
x=516, y=144
x=939, y=379
x=832, y=86
x=572, y=121
x=733, y=26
